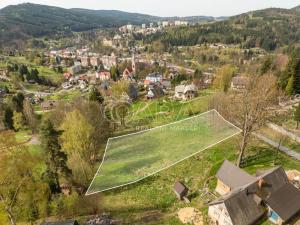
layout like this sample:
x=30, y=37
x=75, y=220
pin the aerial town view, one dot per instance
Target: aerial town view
x=126, y=112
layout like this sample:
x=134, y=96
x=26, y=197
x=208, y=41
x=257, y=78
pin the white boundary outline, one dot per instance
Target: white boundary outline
x=132, y=182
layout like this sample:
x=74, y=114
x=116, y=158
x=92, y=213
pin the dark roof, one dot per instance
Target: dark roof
x=232, y=176
x=243, y=208
x=67, y=222
x=273, y=179
x=180, y=188
x=243, y=203
x=285, y=201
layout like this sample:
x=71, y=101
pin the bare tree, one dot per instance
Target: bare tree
x=249, y=108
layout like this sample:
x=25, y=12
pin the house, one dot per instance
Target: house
x=239, y=82
x=155, y=91
x=185, y=92
x=166, y=84
x=128, y=74
x=67, y=222
x=95, y=61
x=109, y=61
x=247, y=199
x=153, y=78
x=67, y=75
x=103, y=75
x=229, y=177
x=75, y=69
x=85, y=61
x=180, y=190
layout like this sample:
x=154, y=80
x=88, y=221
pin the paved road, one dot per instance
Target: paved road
x=284, y=149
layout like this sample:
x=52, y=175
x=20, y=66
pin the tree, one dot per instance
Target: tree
x=21, y=191
x=115, y=73
x=55, y=159
x=18, y=121
x=16, y=102
x=95, y=95
x=223, y=77
x=297, y=116
x=77, y=138
x=248, y=109
x=23, y=71
x=119, y=88
x=290, y=78
x=30, y=117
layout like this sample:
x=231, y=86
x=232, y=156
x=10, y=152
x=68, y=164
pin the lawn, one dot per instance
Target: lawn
x=43, y=70
x=152, y=201
x=148, y=114
x=133, y=157
x=285, y=140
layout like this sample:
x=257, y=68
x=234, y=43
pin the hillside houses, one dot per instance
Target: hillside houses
x=247, y=199
x=185, y=92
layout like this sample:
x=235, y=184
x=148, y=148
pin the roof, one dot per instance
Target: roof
x=242, y=207
x=185, y=88
x=273, y=179
x=180, y=188
x=285, y=201
x=240, y=81
x=67, y=222
x=232, y=176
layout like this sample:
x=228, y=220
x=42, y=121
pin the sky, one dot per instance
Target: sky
x=167, y=7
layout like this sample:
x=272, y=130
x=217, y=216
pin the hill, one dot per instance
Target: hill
x=297, y=8
x=32, y=20
x=269, y=29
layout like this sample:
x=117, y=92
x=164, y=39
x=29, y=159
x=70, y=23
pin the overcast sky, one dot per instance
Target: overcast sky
x=168, y=7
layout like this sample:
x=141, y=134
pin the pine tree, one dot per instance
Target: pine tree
x=297, y=116
x=95, y=95
x=290, y=79
x=55, y=159
x=296, y=84
x=30, y=117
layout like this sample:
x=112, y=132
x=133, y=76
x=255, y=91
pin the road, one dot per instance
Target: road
x=283, y=149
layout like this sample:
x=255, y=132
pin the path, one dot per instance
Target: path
x=284, y=149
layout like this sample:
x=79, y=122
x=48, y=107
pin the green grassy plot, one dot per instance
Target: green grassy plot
x=132, y=157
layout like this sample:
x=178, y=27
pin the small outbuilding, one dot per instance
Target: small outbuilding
x=180, y=190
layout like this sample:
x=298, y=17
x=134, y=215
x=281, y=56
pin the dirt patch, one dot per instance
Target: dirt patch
x=190, y=216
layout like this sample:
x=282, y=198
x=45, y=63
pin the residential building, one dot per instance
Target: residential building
x=103, y=75
x=239, y=82
x=153, y=78
x=85, y=61
x=95, y=61
x=76, y=68
x=107, y=42
x=185, y=92
x=165, y=23
x=128, y=74
x=155, y=91
x=109, y=61
x=247, y=199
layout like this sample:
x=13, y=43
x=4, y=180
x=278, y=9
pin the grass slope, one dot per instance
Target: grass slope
x=133, y=157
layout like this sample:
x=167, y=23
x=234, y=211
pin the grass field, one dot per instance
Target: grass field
x=152, y=201
x=133, y=157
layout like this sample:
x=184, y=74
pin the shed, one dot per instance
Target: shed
x=180, y=190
